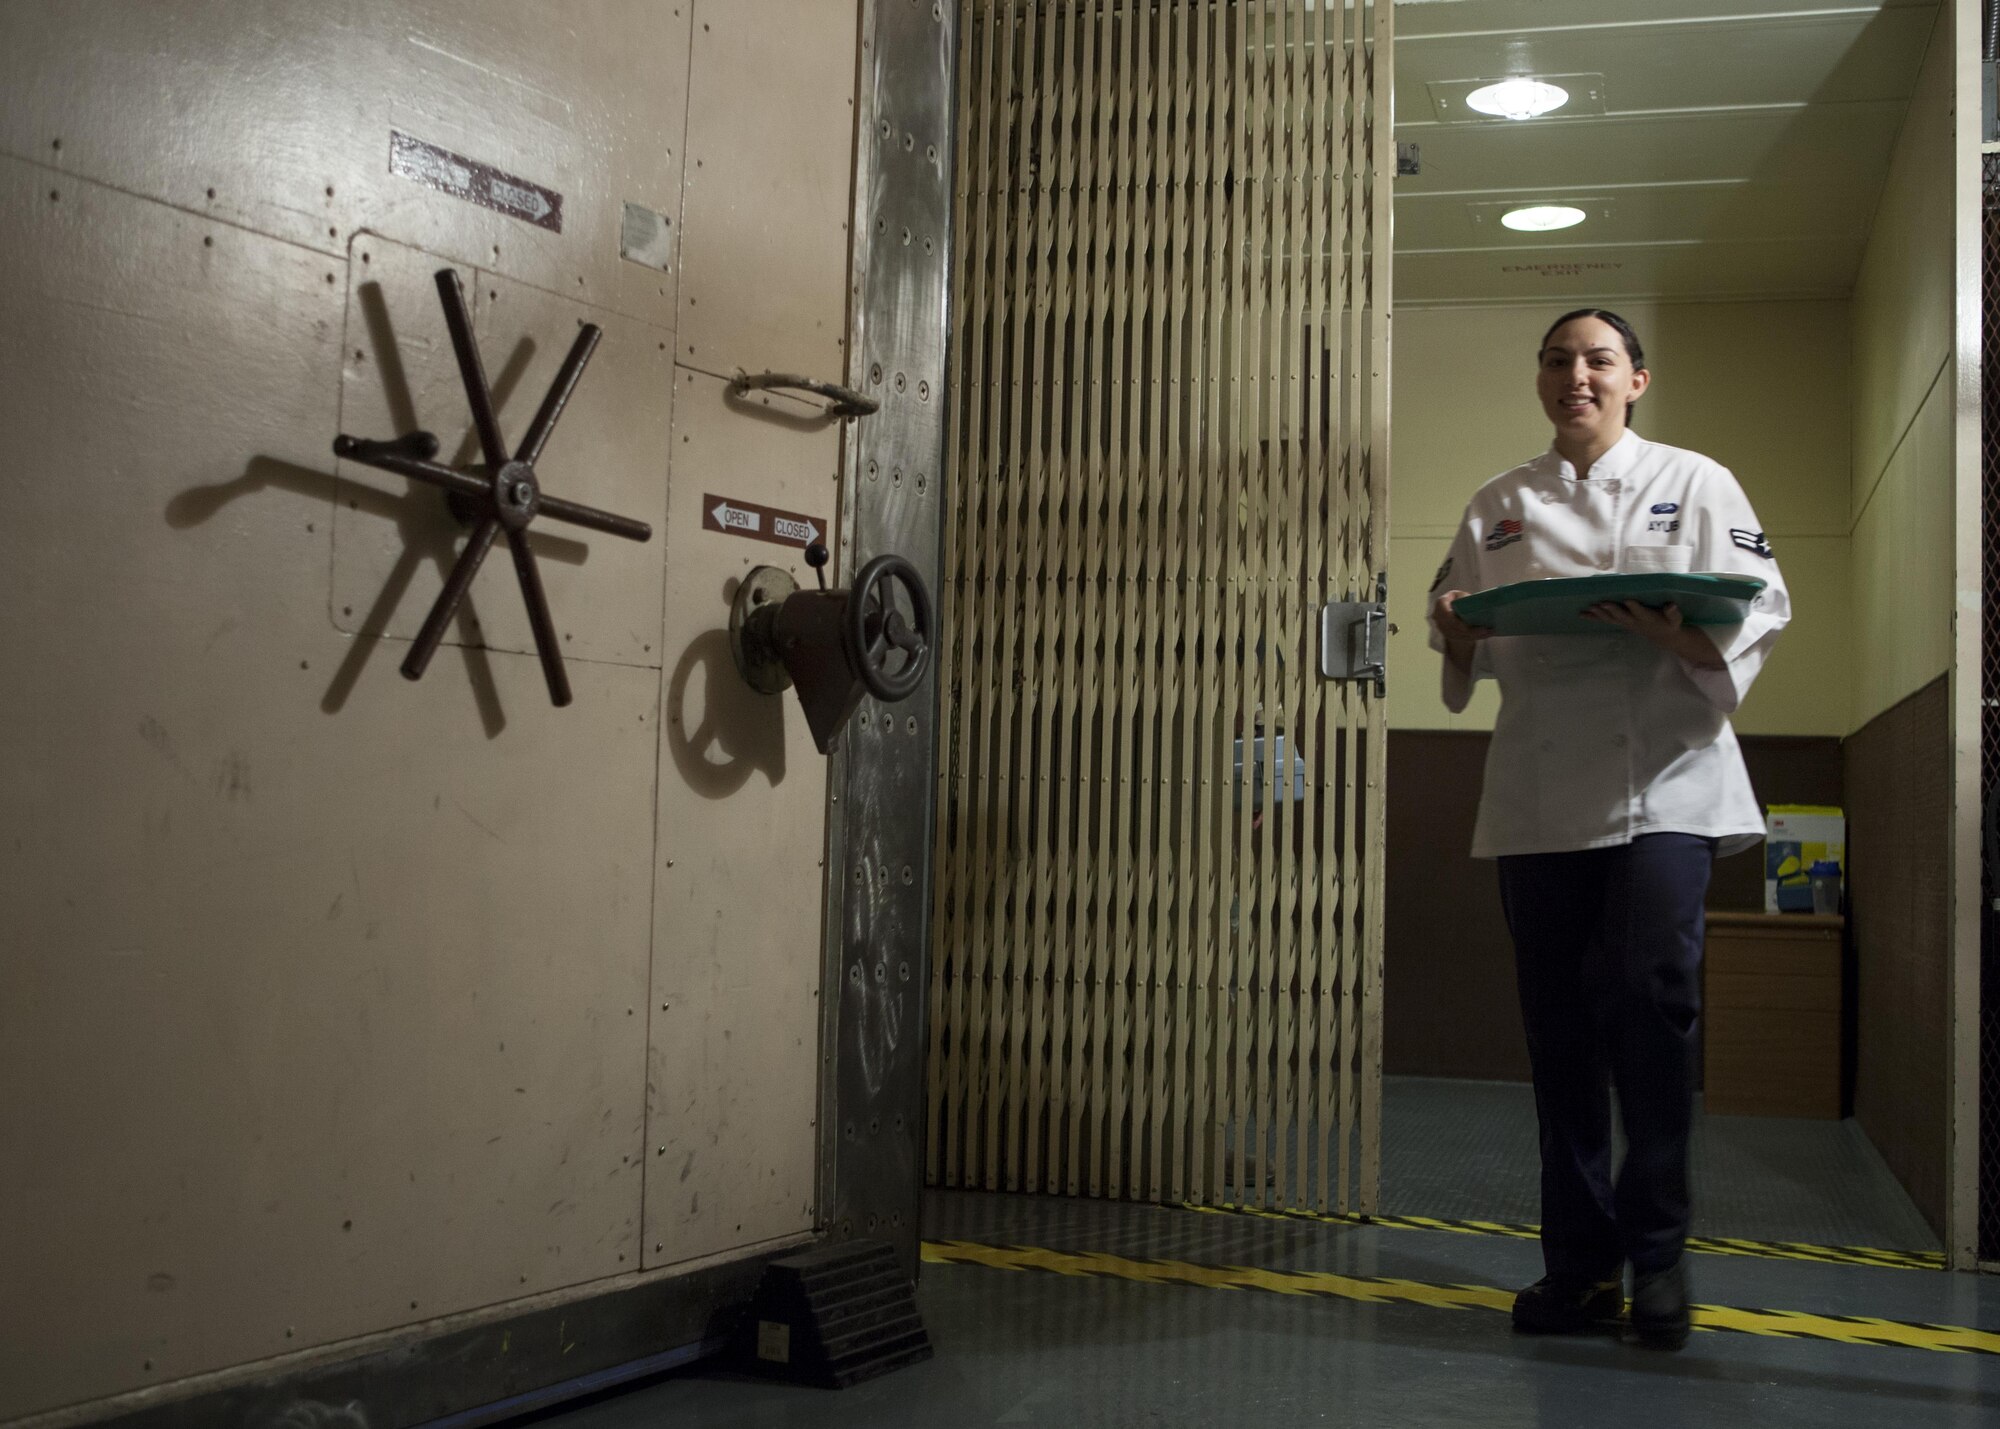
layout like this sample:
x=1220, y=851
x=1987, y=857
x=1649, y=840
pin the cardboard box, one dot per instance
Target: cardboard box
x=1796, y=836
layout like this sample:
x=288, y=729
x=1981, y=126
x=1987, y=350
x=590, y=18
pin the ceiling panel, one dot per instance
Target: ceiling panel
x=1720, y=212
x=1685, y=271
x=1844, y=146
x=1436, y=19
x=1821, y=58
x=1742, y=150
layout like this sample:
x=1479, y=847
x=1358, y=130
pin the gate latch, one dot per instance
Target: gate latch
x=1354, y=638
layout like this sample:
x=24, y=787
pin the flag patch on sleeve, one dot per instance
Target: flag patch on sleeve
x=1752, y=541
x=1504, y=533
x=1443, y=571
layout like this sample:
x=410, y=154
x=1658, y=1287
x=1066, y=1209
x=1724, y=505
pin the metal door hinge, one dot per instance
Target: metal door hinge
x=1354, y=638
x=1409, y=161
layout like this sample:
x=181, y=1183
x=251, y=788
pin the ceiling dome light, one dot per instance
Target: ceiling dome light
x=1518, y=98
x=1543, y=217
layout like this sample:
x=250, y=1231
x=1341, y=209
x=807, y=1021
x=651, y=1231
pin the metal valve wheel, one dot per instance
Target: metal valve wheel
x=875, y=626
x=832, y=645
x=503, y=499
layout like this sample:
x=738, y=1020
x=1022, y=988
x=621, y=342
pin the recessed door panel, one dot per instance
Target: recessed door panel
x=734, y=1069
x=394, y=540
x=769, y=188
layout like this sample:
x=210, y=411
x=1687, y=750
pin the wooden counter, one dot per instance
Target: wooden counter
x=1771, y=1001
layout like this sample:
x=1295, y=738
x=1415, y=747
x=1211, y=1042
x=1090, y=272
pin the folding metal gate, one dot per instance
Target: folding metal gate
x=1157, y=956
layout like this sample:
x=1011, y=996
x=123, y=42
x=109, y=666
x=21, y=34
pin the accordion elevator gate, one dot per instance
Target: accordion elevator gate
x=1158, y=908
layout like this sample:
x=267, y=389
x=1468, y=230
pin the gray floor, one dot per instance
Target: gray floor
x=1466, y=1150
x=1025, y=1348
x=1030, y=1348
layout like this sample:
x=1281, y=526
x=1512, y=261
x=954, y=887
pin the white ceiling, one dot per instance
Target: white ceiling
x=1741, y=151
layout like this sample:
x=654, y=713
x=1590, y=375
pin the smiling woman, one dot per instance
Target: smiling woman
x=1623, y=360
x=1612, y=781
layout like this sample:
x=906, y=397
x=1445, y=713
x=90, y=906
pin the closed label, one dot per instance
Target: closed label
x=762, y=523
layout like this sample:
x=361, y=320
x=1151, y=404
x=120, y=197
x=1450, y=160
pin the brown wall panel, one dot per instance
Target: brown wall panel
x=1449, y=1005
x=1784, y=769
x=1898, y=771
x=1450, y=1008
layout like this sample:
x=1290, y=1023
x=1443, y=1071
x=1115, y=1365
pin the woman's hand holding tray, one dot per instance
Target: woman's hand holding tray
x=1555, y=607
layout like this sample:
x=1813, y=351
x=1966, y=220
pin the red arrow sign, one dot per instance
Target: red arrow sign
x=760, y=523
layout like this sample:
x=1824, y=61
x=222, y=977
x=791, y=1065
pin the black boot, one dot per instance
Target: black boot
x=1566, y=1304
x=1660, y=1308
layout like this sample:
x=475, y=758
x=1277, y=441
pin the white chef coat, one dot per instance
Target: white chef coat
x=1602, y=738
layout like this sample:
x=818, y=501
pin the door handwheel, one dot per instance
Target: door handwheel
x=833, y=646
x=875, y=627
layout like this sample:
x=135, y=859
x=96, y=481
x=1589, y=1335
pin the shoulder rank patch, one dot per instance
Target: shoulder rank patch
x=1504, y=533
x=1752, y=541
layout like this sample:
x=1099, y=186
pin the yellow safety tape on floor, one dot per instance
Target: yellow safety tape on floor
x=1367, y=1288
x=1703, y=1245
x=1380, y=1290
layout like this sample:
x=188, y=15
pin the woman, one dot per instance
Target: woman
x=1612, y=781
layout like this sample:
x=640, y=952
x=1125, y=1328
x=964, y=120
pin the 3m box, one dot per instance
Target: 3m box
x=1796, y=836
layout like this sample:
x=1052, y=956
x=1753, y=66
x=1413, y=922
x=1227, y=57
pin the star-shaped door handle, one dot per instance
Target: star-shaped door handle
x=507, y=494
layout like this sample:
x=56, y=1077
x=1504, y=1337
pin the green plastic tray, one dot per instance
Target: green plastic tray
x=1555, y=607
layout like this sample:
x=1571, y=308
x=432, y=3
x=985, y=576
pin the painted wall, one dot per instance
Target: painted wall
x=1836, y=417
x=1899, y=756
x=1902, y=412
x=1761, y=387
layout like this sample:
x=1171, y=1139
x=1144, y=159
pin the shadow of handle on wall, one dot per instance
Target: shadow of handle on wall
x=739, y=732
x=427, y=530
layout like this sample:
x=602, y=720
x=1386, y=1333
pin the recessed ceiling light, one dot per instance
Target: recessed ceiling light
x=1518, y=98
x=1542, y=217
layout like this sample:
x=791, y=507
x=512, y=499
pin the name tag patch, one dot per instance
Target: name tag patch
x=1505, y=533
x=1752, y=541
x=1663, y=525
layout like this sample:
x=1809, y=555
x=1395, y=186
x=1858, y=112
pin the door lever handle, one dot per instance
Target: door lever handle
x=841, y=401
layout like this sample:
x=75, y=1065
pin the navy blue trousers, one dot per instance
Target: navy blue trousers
x=1607, y=949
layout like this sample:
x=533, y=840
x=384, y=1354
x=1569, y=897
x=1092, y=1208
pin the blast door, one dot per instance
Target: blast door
x=347, y=1016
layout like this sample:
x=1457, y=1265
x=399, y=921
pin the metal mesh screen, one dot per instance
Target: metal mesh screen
x=1156, y=968
x=1989, y=942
